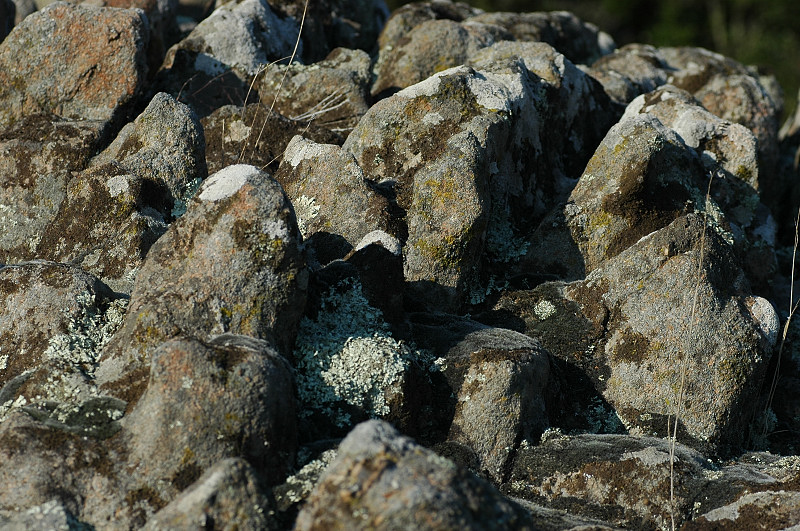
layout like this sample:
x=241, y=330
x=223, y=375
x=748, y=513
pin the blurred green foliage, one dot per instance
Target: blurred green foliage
x=765, y=33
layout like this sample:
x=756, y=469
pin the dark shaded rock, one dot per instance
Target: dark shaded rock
x=383, y=479
x=256, y=136
x=165, y=145
x=107, y=224
x=230, y=397
x=228, y=495
x=230, y=264
x=87, y=63
x=765, y=510
x=579, y=41
x=630, y=71
x=620, y=479
x=674, y=305
x=8, y=11
x=379, y=260
x=331, y=196
x=38, y=156
x=333, y=93
x=430, y=47
x=639, y=180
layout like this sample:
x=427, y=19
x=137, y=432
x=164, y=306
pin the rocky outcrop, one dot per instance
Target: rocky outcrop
x=460, y=269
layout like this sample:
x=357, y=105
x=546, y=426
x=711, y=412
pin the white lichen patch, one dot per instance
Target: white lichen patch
x=3, y=361
x=305, y=209
x=432, y=118
x=118, y=185
x=490, y=95
x=544, y=309
x=226, y=182
x=300, y=149
x=347, y=355
x=297, y=487
x=237, y=131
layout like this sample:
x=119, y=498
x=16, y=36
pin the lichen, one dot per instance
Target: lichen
x=346, y=355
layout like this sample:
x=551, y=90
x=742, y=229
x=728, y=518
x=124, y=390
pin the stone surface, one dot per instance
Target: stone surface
x=38, y=156
x=78, y=62
x=383, y=479
x=430, y=47
x=227, y=496
x=230, y=264
x=254, y=135
x=331, y=196
x=333, y=93
x=580, y=42
x=230, y=397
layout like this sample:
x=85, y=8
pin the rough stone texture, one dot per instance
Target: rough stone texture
x=241, y=36
x=40, y=301
x=230, y=397
x=631, y=70
x=499, y=377
x=75, y=61
x=383, y=479
x=761, y=510
x=165, y=146
x=579, y=41
x=430, y=47
x=332, y=93
x=254, y=135
x=107, y=224
x=37, y=157
x=331, y=196
x=230, y=264
x=49, y=515
x=635, y=321
x=438, y=164
x=619, y=479
x=227, y=496
x=638, y=181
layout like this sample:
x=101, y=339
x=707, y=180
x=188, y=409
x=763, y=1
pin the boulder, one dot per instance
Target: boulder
x=227, y=495
x=255, y=135
x=383, y=479
x=430, y=47
x=629, y=71
x=332, y=93
x=230, y=264
x=75, y=61
x=38, y=156
x=207, y=401
x=579, y=41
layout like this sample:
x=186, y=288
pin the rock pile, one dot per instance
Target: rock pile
x=437, y=269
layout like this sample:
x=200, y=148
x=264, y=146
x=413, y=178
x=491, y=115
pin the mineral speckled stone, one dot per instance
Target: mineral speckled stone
x=76, y=61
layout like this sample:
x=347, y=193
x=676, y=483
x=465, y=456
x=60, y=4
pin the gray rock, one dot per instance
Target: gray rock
x=87, y=63
x=437, y=156
x=383, y=479
x=620, y=479
x=107, y=224
x=768, y=510
x=231, y=397
x=332, y=93
x=579, y=41
x=23, y=9
x=255, y=135
x=38, y=156
x=638, y=181
x=164, y=146
x=230, y=264
x=630, y=71
x=331, y=196
x=227, y=496
x=654, y=315
x=45, y=308
x=499, y=377
x=430, y=47
x=51, y=515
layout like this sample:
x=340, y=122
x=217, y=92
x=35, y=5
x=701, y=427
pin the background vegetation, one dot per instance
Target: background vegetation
x=765, y=33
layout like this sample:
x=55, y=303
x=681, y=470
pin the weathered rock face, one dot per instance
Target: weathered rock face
x=74, y=61
x=333, y=93
x=37, y=157
x=433, y=493
x=230, y=264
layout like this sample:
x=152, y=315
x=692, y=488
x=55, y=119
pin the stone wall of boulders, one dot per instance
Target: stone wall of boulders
x=432, y=269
